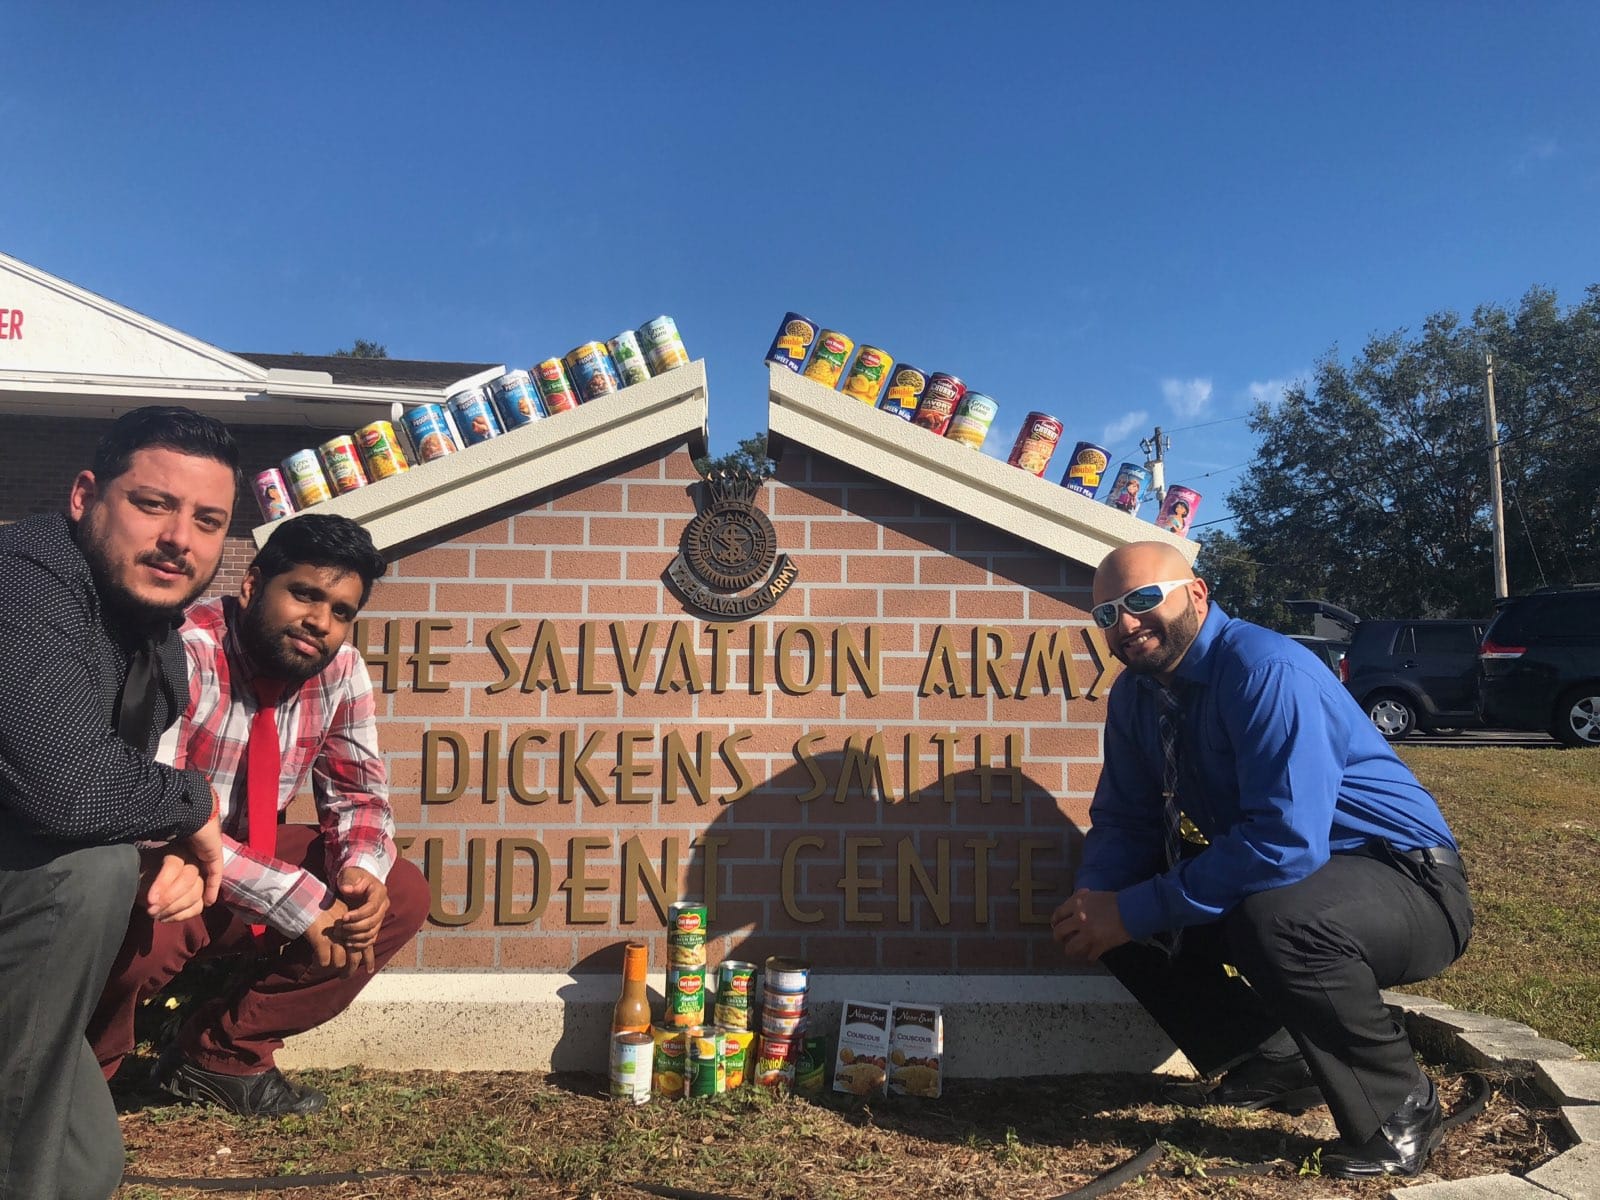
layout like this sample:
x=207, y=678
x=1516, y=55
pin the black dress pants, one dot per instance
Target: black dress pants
x=1313, y=956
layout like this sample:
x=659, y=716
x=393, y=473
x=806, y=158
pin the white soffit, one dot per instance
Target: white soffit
x=446, y=492
x=947, y=472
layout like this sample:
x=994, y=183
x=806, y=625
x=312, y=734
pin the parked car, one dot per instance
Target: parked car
x=1539, y=666
x=1409, y=675
x=1328, y=650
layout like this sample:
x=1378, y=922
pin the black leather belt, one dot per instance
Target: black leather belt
x=1435, y=856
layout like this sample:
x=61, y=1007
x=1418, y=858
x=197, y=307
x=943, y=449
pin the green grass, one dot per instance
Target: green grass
x=1529, y=826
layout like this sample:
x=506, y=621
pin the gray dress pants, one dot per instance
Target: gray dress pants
x=63, y=913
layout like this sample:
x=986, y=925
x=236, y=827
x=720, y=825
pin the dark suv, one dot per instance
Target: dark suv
x=1539, y=667
x=1410, y=675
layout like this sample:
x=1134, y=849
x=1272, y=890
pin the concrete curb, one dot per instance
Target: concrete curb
x=1555, y=1070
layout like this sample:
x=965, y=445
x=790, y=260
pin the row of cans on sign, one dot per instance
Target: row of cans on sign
x=672, y=1063
x=1130, y=487
x=469, y=416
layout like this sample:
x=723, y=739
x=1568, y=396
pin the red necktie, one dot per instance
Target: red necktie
x=263, y=773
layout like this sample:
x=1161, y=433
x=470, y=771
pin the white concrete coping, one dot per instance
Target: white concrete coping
x=436, y=495
x=1034, y=509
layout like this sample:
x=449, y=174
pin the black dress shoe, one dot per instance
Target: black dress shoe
x=1261, y=1082
x=1400, y=1147
x=266, y=1094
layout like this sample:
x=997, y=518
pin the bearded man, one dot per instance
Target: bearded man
x=1317, y=867
x=277, y=696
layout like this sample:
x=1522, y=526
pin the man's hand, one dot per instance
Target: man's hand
x=368, y=901
x=328, y=944
x=204, y=846
x=1087, y=925
x=170, y=888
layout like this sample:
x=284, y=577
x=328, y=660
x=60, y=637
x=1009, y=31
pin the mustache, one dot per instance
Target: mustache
x=294, y=631
x=154, y=558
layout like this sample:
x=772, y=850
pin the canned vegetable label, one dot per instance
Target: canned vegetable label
x=906, y=385
x=792, y=345
x=736, y=1045
x=343, y=464
x=625, y=352
x=671, y=1066
x=867, y=376
x=706, y=1069
x=555, y=389
x=686, y=996
x=632, y=1055
x=973, y=416
x=1085, y=468
x=306, y=478
x=380, y=450
x=663, y=347
x=827, y=364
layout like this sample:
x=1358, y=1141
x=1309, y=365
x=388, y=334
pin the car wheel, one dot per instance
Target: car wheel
x=1392, y=714
x=1577, y=720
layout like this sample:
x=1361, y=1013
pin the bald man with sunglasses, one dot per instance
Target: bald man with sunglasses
x=1315, y=865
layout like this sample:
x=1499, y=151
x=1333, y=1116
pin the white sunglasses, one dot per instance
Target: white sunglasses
x=1139, y=600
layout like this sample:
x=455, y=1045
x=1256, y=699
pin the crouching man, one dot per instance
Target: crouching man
x=276, y=695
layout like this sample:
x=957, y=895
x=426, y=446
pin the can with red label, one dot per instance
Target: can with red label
x=1086, y=468
x=431, y=435
x=342, y=462
x=474, y=414
x=1036, y=442
x=906, y=385
x=827, y=361
x=592, y=372
x=776, y=1058
x=555, y=389
x=792, y=345
x=972, y=419
x=867, y=375
x=307, y=480
x=272, y=494
x=938, y=403
x=629, y=358
x=515, y=401
x=380, y=450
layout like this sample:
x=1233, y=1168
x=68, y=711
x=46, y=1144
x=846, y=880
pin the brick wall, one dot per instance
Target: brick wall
x=504, y=761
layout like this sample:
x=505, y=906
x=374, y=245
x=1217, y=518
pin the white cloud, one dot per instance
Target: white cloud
x=1269, y=391
x=1117, y=430
x=1187, y=397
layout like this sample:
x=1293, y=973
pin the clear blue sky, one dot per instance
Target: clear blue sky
x=1119, y=214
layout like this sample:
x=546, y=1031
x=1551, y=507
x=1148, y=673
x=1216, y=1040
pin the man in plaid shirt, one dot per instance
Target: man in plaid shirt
x=317, y=910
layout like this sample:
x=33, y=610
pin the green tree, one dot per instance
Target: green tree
x=750, y=456
x=363, y=349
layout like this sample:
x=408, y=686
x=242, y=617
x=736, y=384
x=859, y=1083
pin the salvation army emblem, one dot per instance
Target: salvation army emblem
x=728, y=563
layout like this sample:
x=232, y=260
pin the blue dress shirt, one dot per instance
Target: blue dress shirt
x=1279, y=768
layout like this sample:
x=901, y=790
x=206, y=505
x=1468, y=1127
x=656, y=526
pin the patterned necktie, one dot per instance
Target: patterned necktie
x=263, y=773
x=137, y=711
x=1169, y=713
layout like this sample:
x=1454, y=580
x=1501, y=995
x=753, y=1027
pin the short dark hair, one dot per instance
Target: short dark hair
x=170, y=428
x=322, y=540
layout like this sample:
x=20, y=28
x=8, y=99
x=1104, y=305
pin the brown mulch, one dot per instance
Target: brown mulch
x=546, y=1136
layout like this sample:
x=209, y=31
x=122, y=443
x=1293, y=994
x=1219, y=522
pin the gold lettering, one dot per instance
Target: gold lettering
x=786, y=879
x=802, y=754
x=1108, y=664
x=937, y=895
x=862, y=764
x=587, y=684
x=425, y=659
x=985, y=663
x=491, y=765
x=784, y=662
x=677, y=764
x=981, y=848
x=758, y=658
x=390, y=658
x=679, y=658
x=516, y=765
x=743, y=782
x=477, y=869
x=943, y=658
x=495, y=639
x=1046, y=650
x=546, y=652
x=636, y=869
x=721, y=657
x=505, y=881
x=575, y=767
x=847, y=657
x=854, y=883
x=432, y=741
x=580, y=885
x=627, y=772
x=986, y=771
x=631, y=666
x=1026, y=885
x=947, y=739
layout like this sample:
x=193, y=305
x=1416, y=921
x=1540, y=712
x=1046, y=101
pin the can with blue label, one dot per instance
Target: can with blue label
x=1130, y=488
x=972, y=419
x=515, y=401
x=1085, y=468
x=592, y=372
x=906, y=385
x=474, y=414
x=429, y=431
x=792, y=345
x=629, y=358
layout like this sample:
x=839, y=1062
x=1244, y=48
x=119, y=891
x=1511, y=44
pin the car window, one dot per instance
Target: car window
x=1540, y=617
x=1403, y=643
x=1444, y=639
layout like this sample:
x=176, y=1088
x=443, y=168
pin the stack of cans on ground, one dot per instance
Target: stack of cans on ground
x=785, y=1057
x=944, y=405
x=474, y=414
x=694, y=1057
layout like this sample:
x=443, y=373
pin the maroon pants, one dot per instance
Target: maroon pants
x=280, y=990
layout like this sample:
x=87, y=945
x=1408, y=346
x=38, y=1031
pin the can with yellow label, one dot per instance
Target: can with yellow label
x=827, y=361
x=866, y=377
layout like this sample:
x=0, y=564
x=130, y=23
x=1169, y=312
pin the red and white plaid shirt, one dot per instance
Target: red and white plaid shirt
x=325, y=727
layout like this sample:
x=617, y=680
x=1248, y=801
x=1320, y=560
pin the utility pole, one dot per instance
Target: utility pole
x=1155, y=450
x=1496, y=501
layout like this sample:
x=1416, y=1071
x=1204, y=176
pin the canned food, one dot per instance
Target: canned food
x=867, y=374
x=827, y=362
x=306, y=478
x=736, y=1045
x=734, y=981
x=1085, y=468
x=1130, y=487
x=474, y=414
x=670, y=1061
x=686, y=935
x=686, y=996
x=792, y=345
x=972, y=419
x=790, y=1004
x=938, y=403
x=272, y=494
x=555, y=389
x=430, y=433
x=906, y=385
x=592, y=372
x=781, y=1024
x=625, y=352
x=707, y=1072
x=810, y=1069
x=1177, y=510
x=632, y=1055
x=775, y=1060
x=343, y=464
x=787, y=974
x=1036, y=442
x=663, y=348
x=515, y=401
x=380, y=450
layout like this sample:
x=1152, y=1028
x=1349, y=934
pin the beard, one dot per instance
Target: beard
x=273, y=651
x=110, y=577
x=1177, y=635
